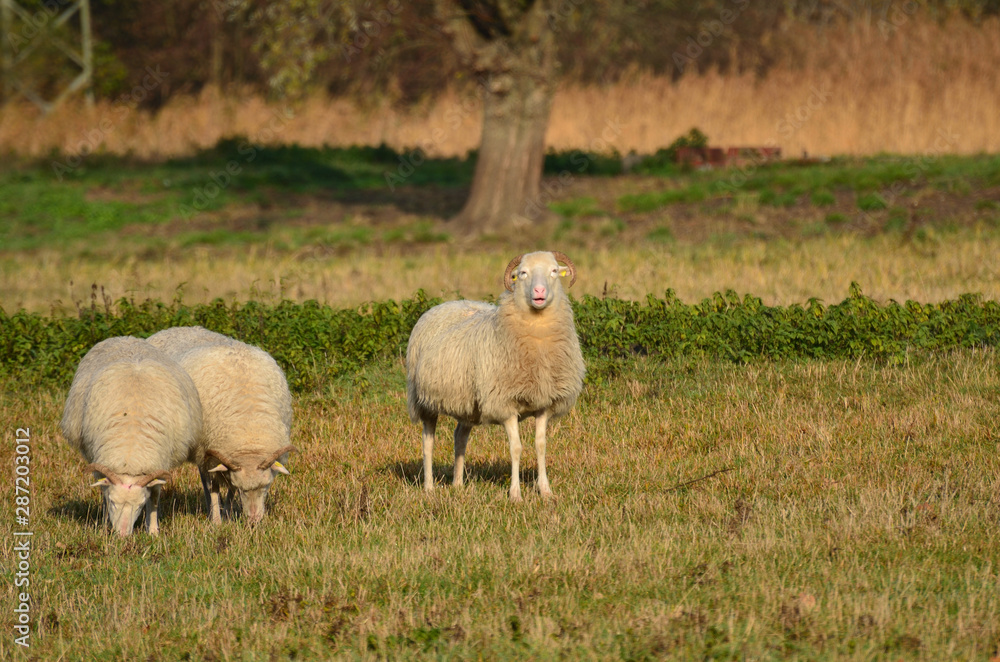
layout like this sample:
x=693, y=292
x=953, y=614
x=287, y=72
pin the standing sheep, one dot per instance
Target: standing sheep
x=247, y=414
x=481, y=363
x=134, y=414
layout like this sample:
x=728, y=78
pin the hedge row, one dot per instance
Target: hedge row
x=316, y=343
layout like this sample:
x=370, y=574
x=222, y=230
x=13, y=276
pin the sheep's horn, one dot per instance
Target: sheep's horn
x=148, y=478
x=232, y=466
x=507, y=281
x=561, y=257
x=107, y=473
x=274, y=457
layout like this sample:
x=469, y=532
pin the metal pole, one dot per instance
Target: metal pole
x=88, y=52
x=5, y=60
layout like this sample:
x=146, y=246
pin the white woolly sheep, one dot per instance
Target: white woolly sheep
x=481, y=363
x=134, y=414
x=247, y=411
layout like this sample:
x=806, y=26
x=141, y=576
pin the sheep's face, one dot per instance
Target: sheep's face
x=124, y=502
x=536, y=280
x=252, y=484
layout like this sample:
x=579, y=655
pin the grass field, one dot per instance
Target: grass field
x=792, y=510
x=705, y=510
x=322, y=224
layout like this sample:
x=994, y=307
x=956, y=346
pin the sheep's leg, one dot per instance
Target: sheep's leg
x=214, y=509
x=206, y=484
x=152, y=508
x=514, y=437
x=430, y=425
x=541, y=421
x=230, y=496
x=462, y=431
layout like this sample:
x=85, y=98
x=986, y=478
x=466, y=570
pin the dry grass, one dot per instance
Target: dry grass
x=780, y=272
x=857, y=521
x=853, y=89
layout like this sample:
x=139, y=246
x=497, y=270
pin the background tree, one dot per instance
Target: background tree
x=510, y=49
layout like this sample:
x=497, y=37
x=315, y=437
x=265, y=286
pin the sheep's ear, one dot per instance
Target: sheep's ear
x=155, y=482
x=563, y=271
x=280, y=468
x=103, y=482
x=217, y=468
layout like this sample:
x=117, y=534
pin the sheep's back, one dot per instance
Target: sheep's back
x=246, y=404
x=179, y=339
x=132, y=409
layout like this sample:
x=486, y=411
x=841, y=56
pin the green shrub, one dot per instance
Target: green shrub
x=315, y=343
x=577, y=162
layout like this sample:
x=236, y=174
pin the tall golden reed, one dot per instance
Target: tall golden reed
x=856, y=88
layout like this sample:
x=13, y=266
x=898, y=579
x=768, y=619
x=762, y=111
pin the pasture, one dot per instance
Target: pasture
x=706, y=508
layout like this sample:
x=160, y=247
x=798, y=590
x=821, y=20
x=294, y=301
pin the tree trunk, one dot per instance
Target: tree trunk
x=516, y=80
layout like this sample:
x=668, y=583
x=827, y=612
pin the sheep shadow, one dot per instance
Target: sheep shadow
x=90, y=512
x=496, y=472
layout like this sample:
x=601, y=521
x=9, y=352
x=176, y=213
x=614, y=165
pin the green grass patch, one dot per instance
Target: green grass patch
x=871, y=202
x=774, y=198
x=643, y=202
x=835, y=219
x=421, y=232
x=662, y=235
x=576, y=207
x=822, y=198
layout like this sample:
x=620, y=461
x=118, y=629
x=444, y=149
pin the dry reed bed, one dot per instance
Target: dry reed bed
x=779, y=272
x=853, y=89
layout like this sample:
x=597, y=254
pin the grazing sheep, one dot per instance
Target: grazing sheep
x=134, y=414
x=481, y=363
x=247, y=415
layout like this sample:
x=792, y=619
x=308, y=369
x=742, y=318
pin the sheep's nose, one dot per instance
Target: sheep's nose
x=539, y=290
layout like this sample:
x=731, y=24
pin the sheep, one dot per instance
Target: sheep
x=481, y=363
x=134, y=415
x=247, y=415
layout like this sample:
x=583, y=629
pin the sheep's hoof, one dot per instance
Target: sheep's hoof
x=516, y=497
x=547, y=495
